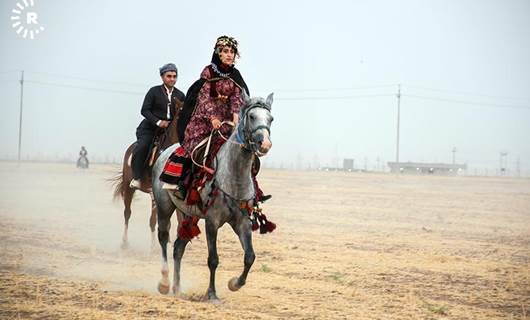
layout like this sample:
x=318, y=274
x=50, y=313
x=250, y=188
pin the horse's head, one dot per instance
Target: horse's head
x=255, y=124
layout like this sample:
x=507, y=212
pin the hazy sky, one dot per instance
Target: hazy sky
x=334, y=66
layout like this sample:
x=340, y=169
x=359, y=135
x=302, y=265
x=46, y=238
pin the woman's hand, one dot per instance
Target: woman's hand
x=235, y=119
x=216, y=123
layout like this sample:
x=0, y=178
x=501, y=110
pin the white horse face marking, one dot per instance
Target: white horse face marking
x=259, y=123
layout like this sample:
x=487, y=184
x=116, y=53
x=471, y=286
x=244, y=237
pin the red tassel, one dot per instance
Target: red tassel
x=270, y=226
x=188, y=228
x=265, y=225
x=184, y=233
x=193, y=197
x=194, y=230
x=255, y=225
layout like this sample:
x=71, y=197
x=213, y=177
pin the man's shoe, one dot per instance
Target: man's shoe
x=169, y=186
x=135, y=184
x=265, y=198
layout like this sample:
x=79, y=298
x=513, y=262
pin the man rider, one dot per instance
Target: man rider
x=83, y=153
x=158, y=110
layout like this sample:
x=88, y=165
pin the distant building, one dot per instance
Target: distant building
x=417, y=168
x=347, y=165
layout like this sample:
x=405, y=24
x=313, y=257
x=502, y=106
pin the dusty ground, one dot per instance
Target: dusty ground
x=349, y=245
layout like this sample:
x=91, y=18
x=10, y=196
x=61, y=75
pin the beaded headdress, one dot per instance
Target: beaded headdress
x=224, y=41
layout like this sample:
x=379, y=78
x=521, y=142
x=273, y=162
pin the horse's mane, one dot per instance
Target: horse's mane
x=171, y=131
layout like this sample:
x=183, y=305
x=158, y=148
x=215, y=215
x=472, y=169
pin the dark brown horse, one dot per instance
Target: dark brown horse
x=121, y=181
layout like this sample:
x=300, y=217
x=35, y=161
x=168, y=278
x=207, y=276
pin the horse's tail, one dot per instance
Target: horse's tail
x=117, y=183
x=121, y=180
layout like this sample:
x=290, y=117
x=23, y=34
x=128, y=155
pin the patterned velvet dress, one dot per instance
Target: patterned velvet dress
x=209, y=106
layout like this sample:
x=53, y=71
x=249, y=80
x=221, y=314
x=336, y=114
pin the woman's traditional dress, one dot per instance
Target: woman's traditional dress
x=210, y=106
x=219, y=97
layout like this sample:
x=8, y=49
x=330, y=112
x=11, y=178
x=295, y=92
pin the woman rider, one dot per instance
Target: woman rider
x=219, y=99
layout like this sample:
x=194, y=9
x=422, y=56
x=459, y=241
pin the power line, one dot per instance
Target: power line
x=483, y=104
x=466, y=102
x=335, y=98
x=286, y=90
x=86, y=79
x=467, y=93
x=141, y=93
x=335, y=89
x=85, y=88
x=9, y=71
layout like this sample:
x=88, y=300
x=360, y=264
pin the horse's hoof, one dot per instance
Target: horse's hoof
x=232, y=284
x=177, y=292
x=215, y=301
x=211, y=297
x=125, y=245
x=163, y=287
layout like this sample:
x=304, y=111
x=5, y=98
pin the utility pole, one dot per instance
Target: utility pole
x=398, y=114
x=503, y=166
x=454, y=151
x=500, y=163
x=20, y=117
x=518, y=169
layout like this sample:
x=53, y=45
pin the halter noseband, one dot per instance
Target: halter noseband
x=244, y=136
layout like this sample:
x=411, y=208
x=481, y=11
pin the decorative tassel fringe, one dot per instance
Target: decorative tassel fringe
x=193, y=197
x=188, y=228
x=255, y=224
x=261, y=222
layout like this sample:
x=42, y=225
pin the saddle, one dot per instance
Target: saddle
x=196, y=177
x=156, y=146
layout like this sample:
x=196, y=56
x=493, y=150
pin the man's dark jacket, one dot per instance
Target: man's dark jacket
x=154, y=107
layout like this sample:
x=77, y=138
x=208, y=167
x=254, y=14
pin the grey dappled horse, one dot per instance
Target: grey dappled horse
x=233, y=180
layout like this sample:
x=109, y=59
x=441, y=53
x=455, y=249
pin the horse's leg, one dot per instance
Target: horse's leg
x=213, y=258
x=178, y=252
x=163, y=235
x=127, y=199
x=243, y=230
x=152, y=221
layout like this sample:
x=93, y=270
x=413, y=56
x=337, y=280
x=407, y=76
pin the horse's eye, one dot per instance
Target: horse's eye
x=252, y=117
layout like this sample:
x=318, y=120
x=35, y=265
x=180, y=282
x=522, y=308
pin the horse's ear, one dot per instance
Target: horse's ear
x=246, y=98
x=270, y=99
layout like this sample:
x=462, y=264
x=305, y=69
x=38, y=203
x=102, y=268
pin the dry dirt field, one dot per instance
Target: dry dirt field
x=348, y=246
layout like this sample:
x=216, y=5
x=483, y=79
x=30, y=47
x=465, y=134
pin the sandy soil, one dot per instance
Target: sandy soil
x=348, y=245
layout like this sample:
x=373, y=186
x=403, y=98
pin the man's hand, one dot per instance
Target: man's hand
x=163, y=124
x=216, y=123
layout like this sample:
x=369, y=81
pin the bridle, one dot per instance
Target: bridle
x=243, y=136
